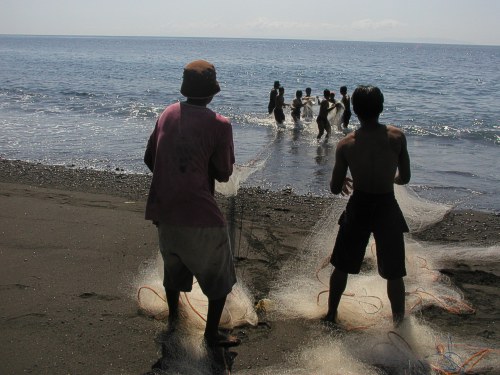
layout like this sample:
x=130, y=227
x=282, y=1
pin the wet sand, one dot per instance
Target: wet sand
x=72, y=242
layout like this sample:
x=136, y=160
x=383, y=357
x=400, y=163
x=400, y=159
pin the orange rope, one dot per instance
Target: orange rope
x=151, y=289
x=377, y=308
x=478, y=356
x=162, y=314
x=323, y=265
x=158, y=316
x=446, y=303
x=424, y=263
x=327, y=290
x=441, y=371
x=192, y=307
x=319, y=294
x=481, y=354
x=466, y=366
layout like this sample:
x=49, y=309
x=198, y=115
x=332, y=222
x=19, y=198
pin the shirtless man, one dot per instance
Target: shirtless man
x=377, y=157
x=272, y=97
x=346, y=101
x=296, y=106
x=279, y=115
x=322, y=119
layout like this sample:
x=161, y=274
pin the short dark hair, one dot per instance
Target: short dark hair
x=298, y=93
x=367, y=101
x=326, y=93
x=343, y=89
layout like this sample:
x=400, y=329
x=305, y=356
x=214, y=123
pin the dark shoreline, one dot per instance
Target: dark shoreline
x=458, y=226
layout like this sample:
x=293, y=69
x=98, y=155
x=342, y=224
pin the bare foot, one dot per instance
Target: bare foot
x=222, y=340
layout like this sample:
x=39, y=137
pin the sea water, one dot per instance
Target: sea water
x=91, y=102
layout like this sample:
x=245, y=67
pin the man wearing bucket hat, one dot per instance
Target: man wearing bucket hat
x=191, y=147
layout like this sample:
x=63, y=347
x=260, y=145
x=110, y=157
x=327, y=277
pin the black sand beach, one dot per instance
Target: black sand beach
x=73, y=240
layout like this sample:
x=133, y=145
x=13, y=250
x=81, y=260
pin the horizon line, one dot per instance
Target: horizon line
x=403, y=41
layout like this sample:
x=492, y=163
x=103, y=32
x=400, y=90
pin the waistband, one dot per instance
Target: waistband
x=372, y=197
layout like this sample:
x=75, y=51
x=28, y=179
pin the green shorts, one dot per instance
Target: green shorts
x=204, y=253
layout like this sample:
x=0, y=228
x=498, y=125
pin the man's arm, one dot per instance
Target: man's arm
x=335, y=105
x=338, y=182
x=150, y=154
x=404, y=173
x=221, y=162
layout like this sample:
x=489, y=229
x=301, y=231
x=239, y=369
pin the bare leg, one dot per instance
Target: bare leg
x=338, y=283
x=328, y=129
x=215, y=308
x=320, y=134
x=173, y=307
x=396, y=294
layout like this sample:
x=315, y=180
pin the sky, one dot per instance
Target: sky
x=422, y=21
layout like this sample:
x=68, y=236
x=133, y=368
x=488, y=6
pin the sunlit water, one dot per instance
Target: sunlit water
x=93, y=101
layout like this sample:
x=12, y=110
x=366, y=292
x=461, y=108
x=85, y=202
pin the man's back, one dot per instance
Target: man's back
x=323, y=108
x=377, y=157
x=191, y=147
x=373, y=154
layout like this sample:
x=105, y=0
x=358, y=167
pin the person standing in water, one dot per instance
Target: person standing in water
x=191, y=147
x=334, y=104
x=296, y=106
x=279, y=115
x=272, y=97
x=377, y=157
x=308, y=105
x=322, y=119
x=346, y=101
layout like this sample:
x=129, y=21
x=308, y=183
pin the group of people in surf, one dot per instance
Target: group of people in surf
x=326, y=104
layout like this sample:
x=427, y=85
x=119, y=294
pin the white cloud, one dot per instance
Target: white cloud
x=369, y=24
x=264, y=24
x=259, y=27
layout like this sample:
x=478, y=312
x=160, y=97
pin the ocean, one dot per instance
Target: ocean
x=91, y=102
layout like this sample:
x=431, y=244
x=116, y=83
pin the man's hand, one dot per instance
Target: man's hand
x=346, y=187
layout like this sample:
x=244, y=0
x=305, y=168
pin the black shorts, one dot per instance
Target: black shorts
x=279, y=115
x=365, y=214
x=323, y=124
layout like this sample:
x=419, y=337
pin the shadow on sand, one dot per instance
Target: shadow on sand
x=187, y=353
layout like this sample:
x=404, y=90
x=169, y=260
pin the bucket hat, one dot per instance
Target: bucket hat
x=199, y=80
